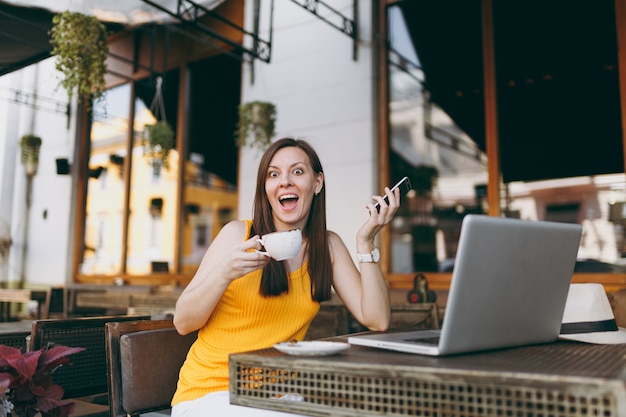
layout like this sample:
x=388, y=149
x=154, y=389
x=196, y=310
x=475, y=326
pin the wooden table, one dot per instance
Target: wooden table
x=561, y=379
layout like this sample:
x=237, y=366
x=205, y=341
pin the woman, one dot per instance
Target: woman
x=242, y=300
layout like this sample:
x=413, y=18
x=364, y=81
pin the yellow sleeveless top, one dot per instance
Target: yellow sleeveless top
x=243, y=320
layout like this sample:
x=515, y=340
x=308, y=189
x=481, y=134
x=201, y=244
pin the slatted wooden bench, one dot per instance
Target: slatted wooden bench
x=15, y=295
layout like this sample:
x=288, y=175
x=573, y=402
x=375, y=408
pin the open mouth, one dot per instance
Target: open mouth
x=288, y=200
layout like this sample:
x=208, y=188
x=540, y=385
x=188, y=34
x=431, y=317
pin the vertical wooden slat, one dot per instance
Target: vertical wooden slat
x=620, y=20
x=491, y=111
x=181, y=148
x=128, y=170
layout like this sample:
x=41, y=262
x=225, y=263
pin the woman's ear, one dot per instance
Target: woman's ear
x=319, y=183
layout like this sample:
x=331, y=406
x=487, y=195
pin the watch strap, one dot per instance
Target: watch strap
x=364, y=257
x=371, y=257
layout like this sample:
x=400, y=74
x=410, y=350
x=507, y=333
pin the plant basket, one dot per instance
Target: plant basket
x=80, y=45
x=158, y=141
x=30, y=146
x=257, y=121
x=5, y=245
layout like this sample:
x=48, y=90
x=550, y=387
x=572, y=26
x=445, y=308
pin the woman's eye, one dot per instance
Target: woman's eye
x=273, y=174
x=298, y=171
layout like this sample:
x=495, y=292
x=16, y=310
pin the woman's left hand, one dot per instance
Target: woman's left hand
x=365, y=291
x=379, y=219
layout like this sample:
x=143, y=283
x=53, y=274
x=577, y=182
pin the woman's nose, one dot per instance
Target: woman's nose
x=285, y=180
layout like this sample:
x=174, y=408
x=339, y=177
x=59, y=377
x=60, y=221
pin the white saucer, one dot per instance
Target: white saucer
x=311, y=348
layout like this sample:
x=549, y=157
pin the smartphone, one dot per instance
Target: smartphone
x=404, y=185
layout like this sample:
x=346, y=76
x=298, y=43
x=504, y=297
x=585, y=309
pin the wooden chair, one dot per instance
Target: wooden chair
x=409, y=316
x=331, y=320
x=143, y=360
x=54, y=305
x=418, y=316
x=618, y=304
x=85, y=381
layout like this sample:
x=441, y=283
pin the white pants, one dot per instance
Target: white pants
x=217, y=404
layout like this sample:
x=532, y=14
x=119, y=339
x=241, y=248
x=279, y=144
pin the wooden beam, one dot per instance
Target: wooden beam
x=441, y=280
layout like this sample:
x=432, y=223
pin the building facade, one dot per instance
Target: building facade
x=356, y=80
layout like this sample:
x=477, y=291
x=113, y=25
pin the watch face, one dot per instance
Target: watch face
x=375, y=255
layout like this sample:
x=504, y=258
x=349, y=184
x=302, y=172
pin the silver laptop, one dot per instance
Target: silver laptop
x=509, y=287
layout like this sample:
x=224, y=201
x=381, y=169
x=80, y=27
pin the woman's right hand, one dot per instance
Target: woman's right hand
x=246, y=259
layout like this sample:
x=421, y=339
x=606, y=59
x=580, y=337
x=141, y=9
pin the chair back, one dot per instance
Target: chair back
x=15, y=340
x=88, y=373
x=143, y=360
x=415, y=316
x=404, y=316
x=331, y=320
x=55, y=303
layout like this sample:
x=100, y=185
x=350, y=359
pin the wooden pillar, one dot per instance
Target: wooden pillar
x=381, y=117
x=128, y=170
x=80, y=179
x=491, y=111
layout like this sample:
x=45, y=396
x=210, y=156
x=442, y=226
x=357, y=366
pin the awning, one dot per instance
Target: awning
x=556, y=64
x=24, y=37
x=557, y=80
x=24, y=24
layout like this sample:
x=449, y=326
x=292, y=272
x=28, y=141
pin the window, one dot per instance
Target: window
x=560, y=151
x=446, y=167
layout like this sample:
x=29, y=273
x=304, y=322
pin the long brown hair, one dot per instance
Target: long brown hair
x=274, y=280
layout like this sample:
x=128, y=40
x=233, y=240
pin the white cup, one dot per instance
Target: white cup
x=281, y=245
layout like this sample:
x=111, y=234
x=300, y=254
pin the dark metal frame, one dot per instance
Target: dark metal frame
x=404, y=64
x=348, y=26
x=189, y=12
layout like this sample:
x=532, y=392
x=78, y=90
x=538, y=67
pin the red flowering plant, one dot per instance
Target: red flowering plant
x=26, y=387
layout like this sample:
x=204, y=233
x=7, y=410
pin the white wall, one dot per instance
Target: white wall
x=323, y=96
x=39, y=112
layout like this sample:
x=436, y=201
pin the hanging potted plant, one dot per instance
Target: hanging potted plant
x=158, y=138
x=5, y=245
x=30, y=146
x=158, y=142
x=257, y=121
x=80, y=45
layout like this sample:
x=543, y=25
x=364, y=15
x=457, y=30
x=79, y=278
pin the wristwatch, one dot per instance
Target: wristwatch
x=373, y=256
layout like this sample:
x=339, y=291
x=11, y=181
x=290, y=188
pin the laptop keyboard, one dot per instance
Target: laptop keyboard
x=426, y=340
